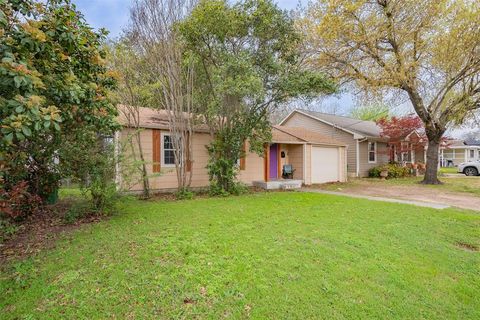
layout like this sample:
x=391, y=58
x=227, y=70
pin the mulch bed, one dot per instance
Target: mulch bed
x=39, y=232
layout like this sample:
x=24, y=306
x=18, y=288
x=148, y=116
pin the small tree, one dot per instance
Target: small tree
x=247, y=63
x=92, y=165
x=397, y=129
x=427, y=50
x=133, y=92
x=154, y=33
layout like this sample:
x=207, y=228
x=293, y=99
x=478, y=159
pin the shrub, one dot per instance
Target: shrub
x=78, y=210
x=394, y=171
x=18, y=203
x=236, y=188
x=216, y=190
x=102, y=192
x=7, y=229
x=375, y=172
x=184, y=194
x=95, y=172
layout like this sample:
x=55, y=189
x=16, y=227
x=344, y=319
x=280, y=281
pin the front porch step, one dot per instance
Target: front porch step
x=279, y=184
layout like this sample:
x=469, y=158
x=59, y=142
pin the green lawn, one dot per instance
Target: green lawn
x=265, y=255
x=448, y=170
x=457, y=184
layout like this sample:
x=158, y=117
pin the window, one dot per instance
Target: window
x=372, y=152
x=472, y=153
x=168, y=152
x=406, y=155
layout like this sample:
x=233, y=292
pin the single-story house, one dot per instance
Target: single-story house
x=458, y=151
x=315, y=158
x=365, y=146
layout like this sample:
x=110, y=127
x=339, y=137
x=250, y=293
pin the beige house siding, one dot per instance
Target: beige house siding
x=382, y=157
x=343, y=164
x=460, y=155
x=295, y=158
x=167, y=178
x=308, y=164
x=253, y=168
x=300, y=120
x=419, y=155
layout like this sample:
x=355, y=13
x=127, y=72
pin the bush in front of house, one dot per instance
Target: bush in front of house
x=394, y=171
x=17, y=203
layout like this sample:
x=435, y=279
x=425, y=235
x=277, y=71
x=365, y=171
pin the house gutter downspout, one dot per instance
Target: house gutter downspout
x=357, y=153
x=304, y=162
x=345, y=159
x=357, y=156
x=116, y=139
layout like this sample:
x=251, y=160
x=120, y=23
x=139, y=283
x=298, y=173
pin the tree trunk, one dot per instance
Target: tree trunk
x=146, y=183
x=432, y=161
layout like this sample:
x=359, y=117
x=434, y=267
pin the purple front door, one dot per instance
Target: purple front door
x=273, y=174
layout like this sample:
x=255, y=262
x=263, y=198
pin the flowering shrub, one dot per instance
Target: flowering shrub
x=17, y=203
x=394, y=171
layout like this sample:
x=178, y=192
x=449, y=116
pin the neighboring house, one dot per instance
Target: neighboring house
x=365, y=147
x=458, y=151
x=315, y=158
x=411, y=149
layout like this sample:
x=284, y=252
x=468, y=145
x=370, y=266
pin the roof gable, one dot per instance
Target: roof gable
x=150, y=118
x=359, y=128
x=301, y=135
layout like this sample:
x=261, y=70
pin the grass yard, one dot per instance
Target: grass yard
x=265, y=255
x=457, y=184
x=448, y=170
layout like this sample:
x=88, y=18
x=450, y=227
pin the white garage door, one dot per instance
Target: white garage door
x=325, y=164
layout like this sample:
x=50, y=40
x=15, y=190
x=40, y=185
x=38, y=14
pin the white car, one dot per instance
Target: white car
x=470, y=168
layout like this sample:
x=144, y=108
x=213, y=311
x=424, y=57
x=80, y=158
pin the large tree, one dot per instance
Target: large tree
x=53, y=85
x=153, y=33
x=427, y=50
x=135, y=90
x=247, y=63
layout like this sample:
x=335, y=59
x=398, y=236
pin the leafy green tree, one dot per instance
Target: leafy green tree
x=135, y=90
x=370, y=112
x=53, y=85
x=247, y=63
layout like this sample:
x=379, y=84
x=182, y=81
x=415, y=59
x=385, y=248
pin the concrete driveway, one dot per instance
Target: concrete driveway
x=437, y=195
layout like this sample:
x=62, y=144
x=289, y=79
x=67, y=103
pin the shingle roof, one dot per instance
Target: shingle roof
x=149, y=118
x=472, y=142
x=362, y=127
x=295, y=134
x=158, y=119
x=455, y=143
